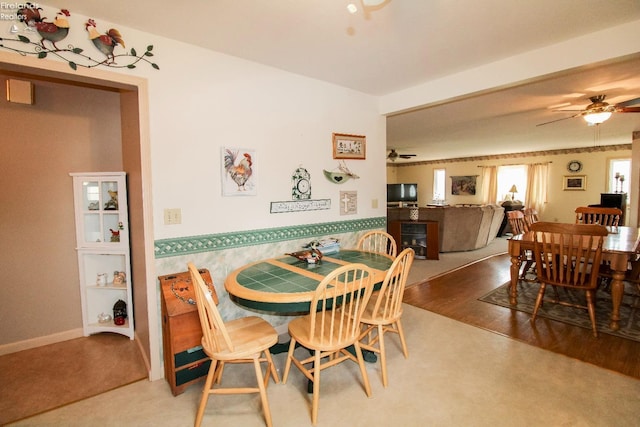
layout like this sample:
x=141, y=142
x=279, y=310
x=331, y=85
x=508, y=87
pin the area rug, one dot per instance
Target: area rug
x=43, y=378
x=527, y=293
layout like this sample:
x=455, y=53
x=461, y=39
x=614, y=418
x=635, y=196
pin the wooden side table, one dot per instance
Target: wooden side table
x=185, y=362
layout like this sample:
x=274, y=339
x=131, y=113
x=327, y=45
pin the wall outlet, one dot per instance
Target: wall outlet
x=374, y=204
x=172, y=216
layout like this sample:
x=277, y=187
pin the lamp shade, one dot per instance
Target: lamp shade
x=513, y=189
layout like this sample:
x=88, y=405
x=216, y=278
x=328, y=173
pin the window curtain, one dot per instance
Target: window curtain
x=537, y=184
x=489, y=184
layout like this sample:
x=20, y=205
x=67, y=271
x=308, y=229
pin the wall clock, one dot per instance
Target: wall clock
x=301, y=184
x=574, y=166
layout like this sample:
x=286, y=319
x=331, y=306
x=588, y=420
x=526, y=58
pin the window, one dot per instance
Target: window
x=620, y=168
x=508, y=176
x=438, y=184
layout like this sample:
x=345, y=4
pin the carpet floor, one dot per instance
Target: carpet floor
x=43, y=378
x=527, y=293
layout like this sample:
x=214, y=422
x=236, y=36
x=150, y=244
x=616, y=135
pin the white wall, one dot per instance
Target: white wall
x=201, y=101
x=286, y=118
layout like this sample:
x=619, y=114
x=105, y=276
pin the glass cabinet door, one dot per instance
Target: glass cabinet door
x=102, y=211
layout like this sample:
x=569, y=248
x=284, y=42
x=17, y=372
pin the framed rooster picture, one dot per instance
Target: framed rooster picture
x=238, y=172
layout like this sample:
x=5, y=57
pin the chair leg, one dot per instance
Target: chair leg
x=263, y=391
x=383, y=355
x=538, y=302
x=592, y=311
x=206, y=391
x=271, y=369
x=363, y=369
x=316, y=386
x=287, y=365
x=400, y=330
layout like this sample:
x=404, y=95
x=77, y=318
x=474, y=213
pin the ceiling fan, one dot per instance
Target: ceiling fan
x=393, y=155
x=599, y=111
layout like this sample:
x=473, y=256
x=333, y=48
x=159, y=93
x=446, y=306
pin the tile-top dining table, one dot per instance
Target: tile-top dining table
x=285, y=285
x=618, y=246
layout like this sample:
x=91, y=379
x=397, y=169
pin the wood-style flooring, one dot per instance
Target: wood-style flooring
x=455, y=295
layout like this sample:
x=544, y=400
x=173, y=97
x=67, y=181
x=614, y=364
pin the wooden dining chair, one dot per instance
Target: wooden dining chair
x=519, y=226
x=517, y=222
x=598, y=215
x=332, y=325
x=530, y=216
x=244, y=340
x=384, y=310
x=378, y=241
x=568, y=256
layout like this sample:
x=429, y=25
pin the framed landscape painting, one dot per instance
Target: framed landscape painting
x=574, y=182
x=463, y=185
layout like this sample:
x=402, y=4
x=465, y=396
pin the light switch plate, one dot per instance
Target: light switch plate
x=172, y=216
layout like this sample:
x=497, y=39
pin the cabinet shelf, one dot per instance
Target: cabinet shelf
x=108, y=287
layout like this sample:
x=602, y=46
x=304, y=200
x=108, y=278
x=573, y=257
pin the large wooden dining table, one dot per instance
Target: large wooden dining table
x=618, y=246
x=285, y=285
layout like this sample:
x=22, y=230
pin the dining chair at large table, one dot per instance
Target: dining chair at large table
x=619, y=245
x=285, y=285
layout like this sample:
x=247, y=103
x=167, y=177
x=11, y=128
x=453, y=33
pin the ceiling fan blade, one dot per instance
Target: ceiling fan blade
x=558, y=120
x=628, y=110
x=407, y=156
x=628, y=103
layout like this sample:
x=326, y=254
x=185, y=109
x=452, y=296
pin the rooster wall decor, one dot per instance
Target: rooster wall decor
x=239, y=172
x=54, y=32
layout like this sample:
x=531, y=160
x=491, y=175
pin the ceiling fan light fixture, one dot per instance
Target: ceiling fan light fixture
x=373, y=2
x=597, y=117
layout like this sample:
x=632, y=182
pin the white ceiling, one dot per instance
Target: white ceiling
x=404, y=43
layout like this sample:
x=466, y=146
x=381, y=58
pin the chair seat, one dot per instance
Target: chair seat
x=250, y=336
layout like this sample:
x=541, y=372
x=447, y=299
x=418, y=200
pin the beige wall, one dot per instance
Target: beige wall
x=561, y=203
x=68, y=129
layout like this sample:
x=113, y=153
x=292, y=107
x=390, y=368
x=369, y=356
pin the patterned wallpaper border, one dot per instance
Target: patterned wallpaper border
x=599, y=148
x=215, y=242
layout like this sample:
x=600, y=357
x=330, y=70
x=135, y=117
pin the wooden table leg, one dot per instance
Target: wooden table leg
x=617, y=291
x=516, y=263
x=619, y=263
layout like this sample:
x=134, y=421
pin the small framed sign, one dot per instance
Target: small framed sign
x=347, y=146
x=574, y=182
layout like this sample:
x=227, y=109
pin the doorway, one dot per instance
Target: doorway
x=135, y=149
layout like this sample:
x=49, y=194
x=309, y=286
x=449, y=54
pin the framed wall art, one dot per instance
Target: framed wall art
x=574, y=182
x=347, y=146
x=238, y=172
x=463, y=185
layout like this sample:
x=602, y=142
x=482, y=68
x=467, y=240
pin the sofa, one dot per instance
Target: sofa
x=460, y=227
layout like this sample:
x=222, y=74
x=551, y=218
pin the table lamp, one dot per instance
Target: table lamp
x=513, y=192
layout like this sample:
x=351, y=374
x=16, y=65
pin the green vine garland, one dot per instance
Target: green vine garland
x=42, y=52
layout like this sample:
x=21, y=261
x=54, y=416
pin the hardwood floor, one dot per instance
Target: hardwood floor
x=455, y=295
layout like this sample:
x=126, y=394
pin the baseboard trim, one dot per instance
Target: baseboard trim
x=40, y=341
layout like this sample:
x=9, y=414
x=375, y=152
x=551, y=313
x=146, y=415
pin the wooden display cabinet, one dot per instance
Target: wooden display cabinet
x=421, y=236
x=185, y=362
x=102, y=239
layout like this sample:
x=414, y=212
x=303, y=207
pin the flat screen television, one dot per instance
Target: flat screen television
x=402, y=193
